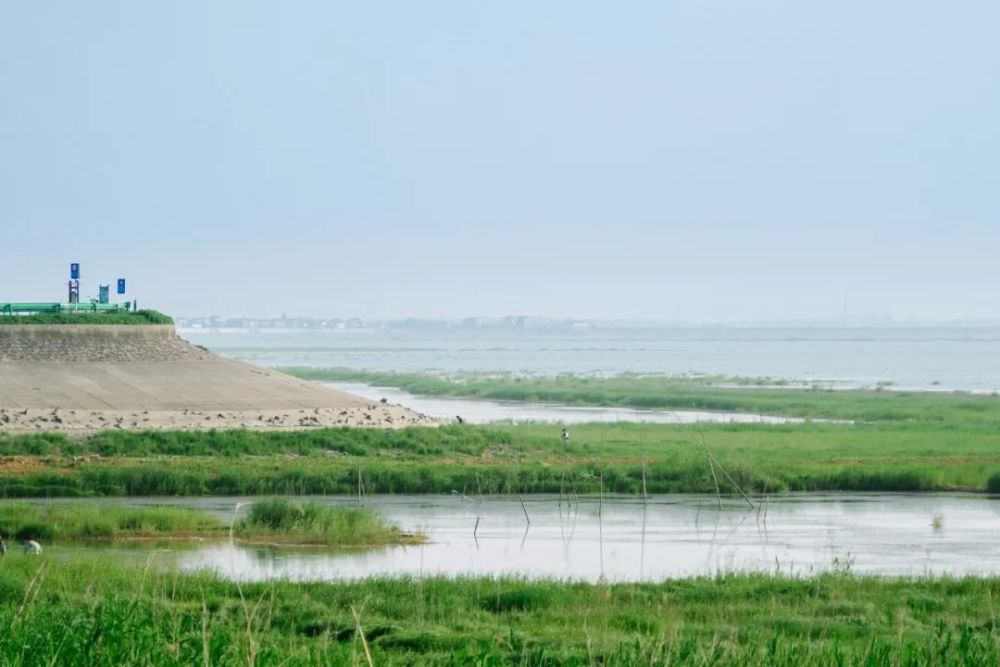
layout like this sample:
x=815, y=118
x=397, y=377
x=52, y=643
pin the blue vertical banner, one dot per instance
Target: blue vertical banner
x=121, y=285
x=74, y=271
x=102, y=296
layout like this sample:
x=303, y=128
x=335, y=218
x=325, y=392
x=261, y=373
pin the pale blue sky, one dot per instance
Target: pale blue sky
x=701, y=160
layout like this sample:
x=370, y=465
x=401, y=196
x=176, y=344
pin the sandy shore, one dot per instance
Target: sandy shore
x=36, y=420
x=81, y=379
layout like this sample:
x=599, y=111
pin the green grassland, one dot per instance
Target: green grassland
x=108, y=317
x=897, y=442
x=275, y=520
x=747, y=395
x=90, y=611
x=531, y=458
x=70, y=608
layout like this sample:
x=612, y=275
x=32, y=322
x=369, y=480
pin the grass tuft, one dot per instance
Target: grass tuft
x=311, y=522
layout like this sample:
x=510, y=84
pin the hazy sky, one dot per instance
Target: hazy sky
x=701, y=160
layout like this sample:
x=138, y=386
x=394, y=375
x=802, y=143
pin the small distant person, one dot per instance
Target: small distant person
x=565, y=436
x=459, y=419
x=3, y=547
x=32, y=548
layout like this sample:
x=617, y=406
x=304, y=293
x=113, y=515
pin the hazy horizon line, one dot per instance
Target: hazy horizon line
x=849, y=322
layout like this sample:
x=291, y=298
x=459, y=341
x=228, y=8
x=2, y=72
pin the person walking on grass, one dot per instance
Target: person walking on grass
x=3, y=547
x=565, y=436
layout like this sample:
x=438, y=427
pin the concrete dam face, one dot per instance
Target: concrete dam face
x=96, y=377
x=63, y=343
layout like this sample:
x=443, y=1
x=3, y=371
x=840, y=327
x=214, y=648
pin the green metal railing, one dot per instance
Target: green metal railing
x=54, y=307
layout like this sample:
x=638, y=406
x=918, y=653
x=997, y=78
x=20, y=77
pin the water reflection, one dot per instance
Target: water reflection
x=479, y=411
x=623, y=539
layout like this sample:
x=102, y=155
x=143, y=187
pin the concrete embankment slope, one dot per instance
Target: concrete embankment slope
x=95, y=377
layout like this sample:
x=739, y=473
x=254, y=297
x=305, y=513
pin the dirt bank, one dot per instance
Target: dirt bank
x=96, y=377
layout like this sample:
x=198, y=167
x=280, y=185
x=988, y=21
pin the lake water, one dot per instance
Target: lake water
x=623, y=539
x=479, y=411
x=946, y=358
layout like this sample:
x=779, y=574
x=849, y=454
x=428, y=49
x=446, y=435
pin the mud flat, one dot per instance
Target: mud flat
x=83, y=378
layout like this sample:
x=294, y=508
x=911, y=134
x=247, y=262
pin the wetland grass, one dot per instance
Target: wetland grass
x=306, y=522
x=97, y=611
x=64, y=521
x=506, y=459
x=272, y=520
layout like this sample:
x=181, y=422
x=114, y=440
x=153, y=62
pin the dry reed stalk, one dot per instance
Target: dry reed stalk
x=361, y=633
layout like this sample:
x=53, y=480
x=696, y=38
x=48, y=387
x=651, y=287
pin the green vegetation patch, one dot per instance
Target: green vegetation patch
x=276, y=520
x=310, y=522
x=108, y=317
x=511, y=459
x=62, y=521
x=97, y=611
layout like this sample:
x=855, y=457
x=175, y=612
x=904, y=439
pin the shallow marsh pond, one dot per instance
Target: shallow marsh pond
x=483, y=411
x=621, y=538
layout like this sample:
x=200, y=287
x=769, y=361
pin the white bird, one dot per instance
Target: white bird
x=32, y=547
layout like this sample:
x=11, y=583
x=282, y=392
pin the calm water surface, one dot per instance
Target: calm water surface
x=481, y=411
x=939, y=357
x=622, y=539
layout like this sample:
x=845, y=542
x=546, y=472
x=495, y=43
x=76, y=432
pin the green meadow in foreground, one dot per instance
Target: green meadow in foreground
x=749, y=395
x=277, y=519
x=97, y=612
x=531, y=458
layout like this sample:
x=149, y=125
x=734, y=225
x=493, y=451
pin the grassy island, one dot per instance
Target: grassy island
x=304, y=522
x=274, y=520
